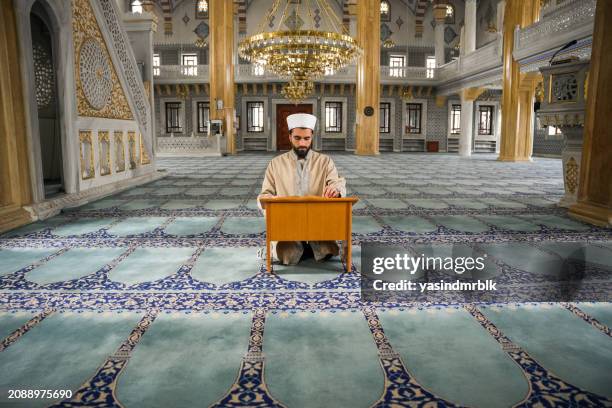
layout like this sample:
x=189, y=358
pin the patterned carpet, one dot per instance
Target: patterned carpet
x=156, y=296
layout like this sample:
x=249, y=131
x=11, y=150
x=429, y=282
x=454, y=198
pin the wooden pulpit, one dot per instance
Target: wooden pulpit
x=309, y=218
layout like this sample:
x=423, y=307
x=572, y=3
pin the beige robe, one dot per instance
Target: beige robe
x=287, y=175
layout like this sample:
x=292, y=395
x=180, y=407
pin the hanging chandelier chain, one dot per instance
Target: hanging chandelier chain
x=271, y=12
x=331, y=20
x=338, y=26
x=309, y=8
x=280, y=22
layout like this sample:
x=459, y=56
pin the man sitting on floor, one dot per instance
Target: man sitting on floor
x=302, y=172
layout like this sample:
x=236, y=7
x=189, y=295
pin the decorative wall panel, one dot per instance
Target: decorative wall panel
x=44, y=76
x=99, y=92
x=119, y=152
x=144, y=157
x=105, y=152
x=132, y=149
x=87, y=155
x=126, y=59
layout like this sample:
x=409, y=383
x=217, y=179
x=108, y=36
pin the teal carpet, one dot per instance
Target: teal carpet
x=156, y=296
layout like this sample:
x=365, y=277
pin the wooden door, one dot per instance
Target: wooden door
x=282, y=132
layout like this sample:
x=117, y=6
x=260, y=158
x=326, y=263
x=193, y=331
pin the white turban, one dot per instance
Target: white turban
x=301, y=120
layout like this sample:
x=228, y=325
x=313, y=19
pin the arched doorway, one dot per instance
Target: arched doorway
x=47, y=101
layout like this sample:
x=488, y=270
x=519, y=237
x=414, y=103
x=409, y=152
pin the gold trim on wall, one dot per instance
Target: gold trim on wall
x=144, y=157
x=132, y=149
x=85, y=137
x=119, y=152
x=105, y=166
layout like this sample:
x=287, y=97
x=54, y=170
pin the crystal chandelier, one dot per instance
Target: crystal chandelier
x=314, y=42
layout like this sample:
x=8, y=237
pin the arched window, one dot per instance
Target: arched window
x=450, y=14
x=385, y=11
x=202, y=9
x=135, y=6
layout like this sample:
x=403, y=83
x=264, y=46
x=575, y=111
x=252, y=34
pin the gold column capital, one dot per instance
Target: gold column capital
x=471, y=94
x=529, y=80
x=441, y=100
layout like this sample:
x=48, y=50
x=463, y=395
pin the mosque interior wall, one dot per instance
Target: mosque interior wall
x=88, y=135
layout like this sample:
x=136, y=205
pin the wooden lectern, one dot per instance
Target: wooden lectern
x=309, y=218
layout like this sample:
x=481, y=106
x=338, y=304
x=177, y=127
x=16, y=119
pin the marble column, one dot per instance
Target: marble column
x=468, y=96
x=439, y=12
x=140, y=29
x=595, y=189
x=15, y=183
x=467, y=125
x=518, y=91
x=221, y=14
x=368, y=78
x=470, y=26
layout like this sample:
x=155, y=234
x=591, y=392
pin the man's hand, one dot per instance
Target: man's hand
x=263, y=205
x=330, y=192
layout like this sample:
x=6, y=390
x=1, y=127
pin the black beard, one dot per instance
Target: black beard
x=301, y=152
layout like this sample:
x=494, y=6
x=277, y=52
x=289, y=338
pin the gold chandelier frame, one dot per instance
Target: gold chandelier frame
x=300, y=56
